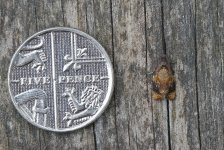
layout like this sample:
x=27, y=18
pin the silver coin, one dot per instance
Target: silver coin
x=60, y=79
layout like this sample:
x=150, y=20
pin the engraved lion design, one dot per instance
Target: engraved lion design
x=87, y=105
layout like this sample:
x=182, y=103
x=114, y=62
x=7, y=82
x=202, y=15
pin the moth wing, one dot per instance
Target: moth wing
x=172, y=85
x=171, y=96
x=156, y=96
x=172, y=90
x=155, y=86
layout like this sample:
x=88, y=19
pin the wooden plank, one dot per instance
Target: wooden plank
x=135, y=33
x=179, y=25
x=100, y=27
x=48, y=14
x=155, y=49
x=75, y=14
x=133, y=111
x=16, y=23
x=210, y=18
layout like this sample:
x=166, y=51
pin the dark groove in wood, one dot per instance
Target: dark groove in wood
x=94, y=135
x=35, y=10
x=168, y=124
x=63, y=13
x=163, y=30
x=165, y=53
x=113, y=63
x=87, y=26
x=148, y=76
x=129, y=128
x=196, y=73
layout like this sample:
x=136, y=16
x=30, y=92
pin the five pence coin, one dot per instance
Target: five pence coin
x=60, y=79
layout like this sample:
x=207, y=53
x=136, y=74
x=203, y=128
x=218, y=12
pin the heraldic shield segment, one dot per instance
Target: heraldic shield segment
x=60, y=79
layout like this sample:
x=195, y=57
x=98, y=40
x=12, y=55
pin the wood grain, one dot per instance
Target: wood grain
x=209, y=25
x=133, y=112
x=135, y=34
x=155, y=49
x=179, y=26
x=15, y=132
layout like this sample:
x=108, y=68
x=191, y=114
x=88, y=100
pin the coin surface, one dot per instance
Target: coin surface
x=60, y=79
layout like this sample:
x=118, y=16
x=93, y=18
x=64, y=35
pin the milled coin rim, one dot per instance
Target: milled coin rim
x=110, y=75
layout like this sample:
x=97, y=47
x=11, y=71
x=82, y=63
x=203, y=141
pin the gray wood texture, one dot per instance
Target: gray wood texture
x=135, y=34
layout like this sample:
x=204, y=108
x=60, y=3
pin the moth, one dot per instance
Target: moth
x=163, y=81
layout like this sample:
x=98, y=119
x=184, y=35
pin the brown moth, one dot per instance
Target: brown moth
x=163, y=81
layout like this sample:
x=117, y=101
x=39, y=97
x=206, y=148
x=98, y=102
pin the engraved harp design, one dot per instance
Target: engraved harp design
x=39, y=111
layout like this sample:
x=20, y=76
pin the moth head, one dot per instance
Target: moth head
x=163, y=73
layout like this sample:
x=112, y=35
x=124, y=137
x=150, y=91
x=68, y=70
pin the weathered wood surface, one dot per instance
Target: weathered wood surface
x=135, y=33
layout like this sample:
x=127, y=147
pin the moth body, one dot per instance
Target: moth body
x=163, y=82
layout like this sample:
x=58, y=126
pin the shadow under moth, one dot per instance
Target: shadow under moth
x=163, y=81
